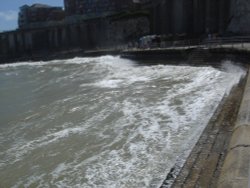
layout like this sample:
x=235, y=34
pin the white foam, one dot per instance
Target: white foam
x=76, y=60
x=20, y=149
x=75, y=109
x=109, y=83
x=39, y=63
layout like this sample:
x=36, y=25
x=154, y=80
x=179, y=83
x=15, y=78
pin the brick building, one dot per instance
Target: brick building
x=38, y=13
x=95, y=7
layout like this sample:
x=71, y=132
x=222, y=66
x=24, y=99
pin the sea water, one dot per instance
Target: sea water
x=103, y=122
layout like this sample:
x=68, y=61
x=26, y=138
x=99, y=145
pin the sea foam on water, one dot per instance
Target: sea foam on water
x=103, y=122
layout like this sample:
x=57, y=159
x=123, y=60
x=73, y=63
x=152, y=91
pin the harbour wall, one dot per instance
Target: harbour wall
x=92, y=34
x=192, y=56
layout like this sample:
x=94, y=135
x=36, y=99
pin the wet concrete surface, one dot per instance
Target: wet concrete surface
x=204, y=164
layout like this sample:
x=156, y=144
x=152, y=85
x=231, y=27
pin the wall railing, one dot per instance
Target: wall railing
x=225, y=42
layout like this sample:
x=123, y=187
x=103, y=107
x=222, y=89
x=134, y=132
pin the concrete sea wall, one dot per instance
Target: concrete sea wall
x=91, y=34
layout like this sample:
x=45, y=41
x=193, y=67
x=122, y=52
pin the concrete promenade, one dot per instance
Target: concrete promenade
x=236, y=169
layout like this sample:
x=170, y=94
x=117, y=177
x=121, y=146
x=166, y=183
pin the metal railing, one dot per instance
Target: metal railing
x=219, y=42
x=225, y=42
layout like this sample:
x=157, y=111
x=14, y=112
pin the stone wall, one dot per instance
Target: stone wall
x=191, y=17
x=91, y=34
x=121, y=31
x=239, y=17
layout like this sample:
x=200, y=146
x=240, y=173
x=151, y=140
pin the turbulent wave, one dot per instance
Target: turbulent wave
x=102, y=122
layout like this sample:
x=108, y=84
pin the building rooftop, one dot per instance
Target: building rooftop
x=37, y=5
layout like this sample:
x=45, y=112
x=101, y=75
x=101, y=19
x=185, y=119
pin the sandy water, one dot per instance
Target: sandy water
x=103, y=122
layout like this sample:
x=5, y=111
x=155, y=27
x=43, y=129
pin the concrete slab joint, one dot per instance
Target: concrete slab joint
x=240, y=137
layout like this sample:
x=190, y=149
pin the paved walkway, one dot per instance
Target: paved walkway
x=236, y=169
